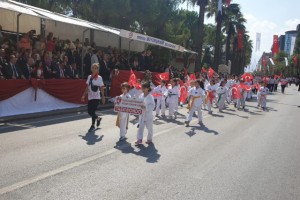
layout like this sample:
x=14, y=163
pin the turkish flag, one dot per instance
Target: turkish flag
x=257, y=86
x=247, y=77
x=163, y=76
x=132, y=81
x=248, y=88
x=183, y=94
x=240, y=39
x=265, y=79
x=295, y=60
x=236, y=92
x=275, y=49
x=264, y=62
x=228, y=2
x=210, y=73
x=192, y=77
x=185, y=72
x=203, y=70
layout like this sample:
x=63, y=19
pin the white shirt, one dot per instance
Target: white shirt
x=197, y=92
x=264, y=91
x=161, y=90
x=149, y=107
x=98, y=82
x=135, y=93
x=173, y=94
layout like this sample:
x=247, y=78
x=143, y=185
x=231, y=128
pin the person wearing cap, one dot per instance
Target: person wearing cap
x=94, y=82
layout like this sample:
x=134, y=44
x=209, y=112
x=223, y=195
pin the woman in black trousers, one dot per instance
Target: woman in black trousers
x=94, y=83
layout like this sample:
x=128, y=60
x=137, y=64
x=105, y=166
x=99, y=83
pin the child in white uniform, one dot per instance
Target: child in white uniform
x=173, y=95
x=263, y=96
x=177, y=80
x=161, y=100
x=211, y=94
x=222, y=94
x=122, y=120
x=146, y=119
x=197, y=96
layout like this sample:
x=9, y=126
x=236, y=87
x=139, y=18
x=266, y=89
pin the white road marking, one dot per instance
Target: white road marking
x=73, y=165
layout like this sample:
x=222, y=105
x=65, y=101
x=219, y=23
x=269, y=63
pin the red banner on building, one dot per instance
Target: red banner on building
x=275, y=49
x=240, y=39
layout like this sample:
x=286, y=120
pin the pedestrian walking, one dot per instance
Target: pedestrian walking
x=94, y=86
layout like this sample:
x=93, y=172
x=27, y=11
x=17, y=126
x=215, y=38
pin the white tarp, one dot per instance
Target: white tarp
x=23, y=103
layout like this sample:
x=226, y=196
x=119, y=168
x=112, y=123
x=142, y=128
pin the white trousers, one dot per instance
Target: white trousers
x=161, y=103
x=221, y=103
x=123, y=124
x=172, y=109
x=191, y=113
x=149, y=125
x=209, y=106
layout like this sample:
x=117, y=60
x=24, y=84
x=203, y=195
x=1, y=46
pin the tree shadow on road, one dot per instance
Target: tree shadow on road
x=91, y=138
x=149, y=152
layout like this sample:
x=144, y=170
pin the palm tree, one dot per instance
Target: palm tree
x=233, y=20
x=202, y=10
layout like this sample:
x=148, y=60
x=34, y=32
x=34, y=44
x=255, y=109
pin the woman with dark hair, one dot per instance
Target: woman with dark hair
x=94, y=82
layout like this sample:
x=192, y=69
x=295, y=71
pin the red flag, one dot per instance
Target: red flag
x=248, y=88
x=132, y=81
x=264, y=62
x=240, y=39
x=156, y=95
x=275, y=49
x=236, y=92
x=265, y=79
x=164, y=76
x=247, y=77
x=183, y=94
x=257, y=86
x=295, y=60
x=210, y=73
x=185, y=72
x=192, y=77
x=203, y=70
x=276, y=76
x=228, y=2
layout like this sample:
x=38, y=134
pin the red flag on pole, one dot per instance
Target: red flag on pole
x=275, y=49
x=192, y=77
x=248, y=88
x=247, y=77
x=203, y=70
x=228, y=2
x=295, y=60
x=163, y=76
x=210, y=72
x=240, y=39
x=236, y=93
x=132, y=80
x=183, y=94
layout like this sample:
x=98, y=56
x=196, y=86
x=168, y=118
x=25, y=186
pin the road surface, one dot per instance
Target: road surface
x=245, y=155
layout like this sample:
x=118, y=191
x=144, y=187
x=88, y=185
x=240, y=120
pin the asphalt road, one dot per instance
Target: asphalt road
x=248, y=154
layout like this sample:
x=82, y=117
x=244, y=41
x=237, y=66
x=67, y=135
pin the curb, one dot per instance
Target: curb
x=50, y=113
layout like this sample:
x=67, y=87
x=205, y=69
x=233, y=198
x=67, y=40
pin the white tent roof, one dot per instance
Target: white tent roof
x=16, y=8
x=38, y=12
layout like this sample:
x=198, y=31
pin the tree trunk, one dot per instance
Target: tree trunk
x=202, y=8
x=228, y=46
x=218, y=43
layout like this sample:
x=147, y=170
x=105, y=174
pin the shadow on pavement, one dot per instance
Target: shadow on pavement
x=40, y=122
x=149, y=152
x=193, y=130
x=91, y=138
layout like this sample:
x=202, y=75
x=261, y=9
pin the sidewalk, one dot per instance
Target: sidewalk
x=51, y=113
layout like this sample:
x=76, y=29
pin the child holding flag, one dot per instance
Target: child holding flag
x=197, y=93
x=122, y=119
x=160, y=92
x=146, y=119
x=211, y=94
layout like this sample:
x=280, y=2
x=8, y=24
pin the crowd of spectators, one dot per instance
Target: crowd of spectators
x=34, y=56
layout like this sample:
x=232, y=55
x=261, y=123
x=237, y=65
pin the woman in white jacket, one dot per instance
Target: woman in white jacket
x=146, y=119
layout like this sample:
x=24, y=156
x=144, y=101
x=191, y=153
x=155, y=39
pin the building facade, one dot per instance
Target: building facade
x=290, y=38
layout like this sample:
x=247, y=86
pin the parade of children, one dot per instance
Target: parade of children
x=196, y=93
